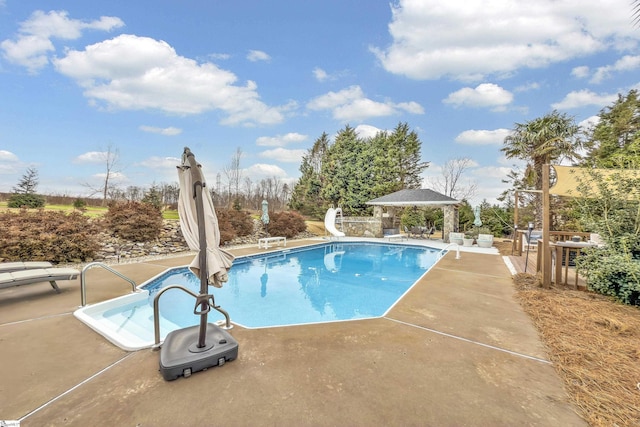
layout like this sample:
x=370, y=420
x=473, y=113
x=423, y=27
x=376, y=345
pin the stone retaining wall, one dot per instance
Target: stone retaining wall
x=361, y=226
x=169, y=242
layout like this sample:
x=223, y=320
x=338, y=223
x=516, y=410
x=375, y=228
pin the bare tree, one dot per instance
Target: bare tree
x=110, y=160
x=449, y=183
x=234, y=175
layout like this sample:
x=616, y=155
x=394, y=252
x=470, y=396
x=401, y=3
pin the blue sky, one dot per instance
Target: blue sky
x=149, y=78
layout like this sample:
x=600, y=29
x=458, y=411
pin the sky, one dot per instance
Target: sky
x=147, y=78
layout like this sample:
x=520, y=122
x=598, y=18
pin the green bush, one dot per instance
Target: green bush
x=79, y=204
x=412, y=218
x=20, y=200
x=611, y=273
x=287, y=224
x=47, y=236
x=135, y=221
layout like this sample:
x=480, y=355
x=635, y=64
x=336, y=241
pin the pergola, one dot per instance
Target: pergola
x=422, y=197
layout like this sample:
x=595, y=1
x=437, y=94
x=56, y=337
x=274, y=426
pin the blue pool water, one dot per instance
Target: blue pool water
x=327, y=282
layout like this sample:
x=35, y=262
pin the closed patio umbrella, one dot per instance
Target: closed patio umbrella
x=211, y=259
x=199, y=347
x=477, y=221
x=265, y=214
x=199, y=225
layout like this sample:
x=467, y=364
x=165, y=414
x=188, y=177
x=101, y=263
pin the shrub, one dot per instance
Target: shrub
x=47, y=236
x=611, y=273
x=80, y=204
x=287, y=224
x=227, y=233
x=412, y=218
x=135, y=221
x=19, y=200
x=233, y=223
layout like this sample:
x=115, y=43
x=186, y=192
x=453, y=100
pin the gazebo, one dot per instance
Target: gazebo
x=422, y=197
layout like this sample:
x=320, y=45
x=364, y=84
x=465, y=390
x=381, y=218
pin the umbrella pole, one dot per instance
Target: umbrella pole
x=198, y=188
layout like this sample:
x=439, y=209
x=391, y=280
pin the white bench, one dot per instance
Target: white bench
x=266, y=240
x=395, y=236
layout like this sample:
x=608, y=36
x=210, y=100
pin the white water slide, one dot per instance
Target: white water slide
x=330, y=222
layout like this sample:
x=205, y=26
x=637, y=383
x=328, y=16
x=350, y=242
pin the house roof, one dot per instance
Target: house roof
x=415, y=197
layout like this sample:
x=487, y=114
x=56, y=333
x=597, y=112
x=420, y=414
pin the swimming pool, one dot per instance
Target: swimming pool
x=321, y=283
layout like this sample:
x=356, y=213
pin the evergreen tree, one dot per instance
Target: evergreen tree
x=347, y=172
x=305, y=196
x=28, y=183
x=24, y=193
x=615, y=141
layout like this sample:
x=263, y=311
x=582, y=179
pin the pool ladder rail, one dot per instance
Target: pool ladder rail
x=201, y=300
x=442, y=252
x=83, y=280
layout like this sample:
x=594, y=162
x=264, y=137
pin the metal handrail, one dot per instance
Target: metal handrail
x=83, y=290
x=156, y=312
x=441, y=253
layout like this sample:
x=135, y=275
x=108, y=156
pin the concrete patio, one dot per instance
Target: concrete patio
x=457, y=350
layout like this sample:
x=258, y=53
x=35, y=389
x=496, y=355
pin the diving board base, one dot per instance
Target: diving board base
x=180, y=356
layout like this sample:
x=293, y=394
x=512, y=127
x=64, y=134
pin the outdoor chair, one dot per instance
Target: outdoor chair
x=37, y=275
x=456, y=238
x=7, y=267
x=485, y=240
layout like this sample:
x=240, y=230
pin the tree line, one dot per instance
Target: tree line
x=353, y=170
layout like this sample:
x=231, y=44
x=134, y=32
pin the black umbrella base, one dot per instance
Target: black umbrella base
x=181, y=356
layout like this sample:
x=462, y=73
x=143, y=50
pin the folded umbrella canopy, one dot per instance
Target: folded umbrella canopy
x=206, y=241
x=265, y=214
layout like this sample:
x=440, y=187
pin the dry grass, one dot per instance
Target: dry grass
x=594, y=344
x=316, y=227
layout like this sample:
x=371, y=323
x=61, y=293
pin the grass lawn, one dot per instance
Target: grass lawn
x=92, y=211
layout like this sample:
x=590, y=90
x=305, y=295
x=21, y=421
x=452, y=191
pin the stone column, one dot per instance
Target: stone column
x=450, y=222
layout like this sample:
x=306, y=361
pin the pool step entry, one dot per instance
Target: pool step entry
x=180, y=356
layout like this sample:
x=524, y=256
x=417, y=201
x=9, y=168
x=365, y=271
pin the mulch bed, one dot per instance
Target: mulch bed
x=594, y=344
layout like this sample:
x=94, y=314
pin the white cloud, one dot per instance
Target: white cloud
x=589, y=122
x=351, y=104
x=33, y=43
x=7, y=156
x=527, y=87
x=584, y=97
x=284, y=155
x=626, y=63
x=261, y=170
x=483, y=137
x=483, y=95
x=257, y=55
x=156, y=162
x=280, y=140
x=169, y=131
x=367, y=131
x=470, y=40
x=9, y=165
x=221, y=56
x=92, y=157
x=580, y=72
x=113, y=176
x=136, y=73
x=320, y=74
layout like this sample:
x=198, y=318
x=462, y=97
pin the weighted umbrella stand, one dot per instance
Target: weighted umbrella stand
x=199, y=347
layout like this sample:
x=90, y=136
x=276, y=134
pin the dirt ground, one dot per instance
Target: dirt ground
x=593, y=342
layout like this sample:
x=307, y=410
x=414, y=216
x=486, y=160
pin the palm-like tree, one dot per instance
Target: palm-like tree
x=548, y=139
x=636, y=12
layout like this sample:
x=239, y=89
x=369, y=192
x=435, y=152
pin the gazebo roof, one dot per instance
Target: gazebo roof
x=415, y=197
